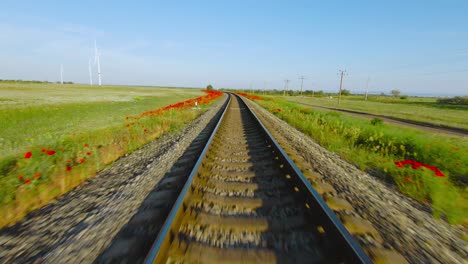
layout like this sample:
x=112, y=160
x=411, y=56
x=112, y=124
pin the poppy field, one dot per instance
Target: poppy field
x=430, y=168
x=55, y=137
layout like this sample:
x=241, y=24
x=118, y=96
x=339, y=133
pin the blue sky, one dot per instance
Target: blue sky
x=419, y=47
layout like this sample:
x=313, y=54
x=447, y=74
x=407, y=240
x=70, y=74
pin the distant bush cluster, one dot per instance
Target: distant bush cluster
x=345, y=92
x=23, y=81
x=29, y=81
x=457, y=100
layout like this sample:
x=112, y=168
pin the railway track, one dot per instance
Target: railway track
x=246, y=201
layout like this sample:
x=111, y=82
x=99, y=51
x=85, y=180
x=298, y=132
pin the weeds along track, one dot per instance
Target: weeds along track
x=245, y=202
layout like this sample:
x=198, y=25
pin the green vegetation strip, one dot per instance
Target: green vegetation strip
x=53, y=143
x=377, y=148
x=426, y=110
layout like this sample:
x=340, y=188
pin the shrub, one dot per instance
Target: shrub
x=376, y=121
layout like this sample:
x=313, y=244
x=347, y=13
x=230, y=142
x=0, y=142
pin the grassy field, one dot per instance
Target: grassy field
x=38, y=114
x=55, y=137
x=430, y=168
x=420, y=109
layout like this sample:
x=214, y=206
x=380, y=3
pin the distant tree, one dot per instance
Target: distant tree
x=395, y=92
x=345, y=92
x=209, y=87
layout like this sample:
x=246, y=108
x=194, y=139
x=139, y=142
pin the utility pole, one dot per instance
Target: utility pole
x=302, y=82
x=342, y=73
x=367, y=86
x=286, y=82
x=264, y=87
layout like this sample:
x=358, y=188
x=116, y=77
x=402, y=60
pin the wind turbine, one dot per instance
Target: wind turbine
x=90, y=72
x=96, y=61
x=61, y=73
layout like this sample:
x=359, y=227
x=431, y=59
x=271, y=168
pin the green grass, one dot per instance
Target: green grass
x=87, y=128
x=375, y=148
x=425, y=110
x=37, y=114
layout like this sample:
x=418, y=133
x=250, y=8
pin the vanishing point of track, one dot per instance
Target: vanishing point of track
x=246, y=201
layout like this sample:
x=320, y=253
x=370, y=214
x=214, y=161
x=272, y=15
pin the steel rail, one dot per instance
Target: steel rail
x=327, y=218
x=161, y=240
x=323, y=215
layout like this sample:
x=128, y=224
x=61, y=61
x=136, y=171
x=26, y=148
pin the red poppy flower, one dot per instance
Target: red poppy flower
x=27, y=181
x=69, y=168
x=408, y=179
x=27, y=155
x=438, y=173
x=43, y=150
x=21, y=177
x=432, y=168
x=88, y=153
x=416, y=165
x=50, y=152
x=406, y=162
x=37, y=175
x=86, y=145
x=81, y=160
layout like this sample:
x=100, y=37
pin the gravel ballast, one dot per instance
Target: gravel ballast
x=77, y=227
x=404, y=224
